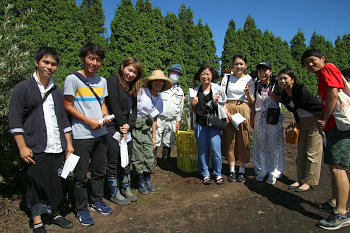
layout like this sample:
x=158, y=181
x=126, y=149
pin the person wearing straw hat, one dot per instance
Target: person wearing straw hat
x=149, y=106
x=169, y=121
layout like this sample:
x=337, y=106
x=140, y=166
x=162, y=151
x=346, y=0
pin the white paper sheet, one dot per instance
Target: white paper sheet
x=124, y=156
x=69, y=165
x=237, y=119
x=111, y=117
x=191, y=93
x=117, y=137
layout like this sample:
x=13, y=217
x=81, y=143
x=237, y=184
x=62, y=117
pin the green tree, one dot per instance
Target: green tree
x=252, y=41
x=124, y=40
x=342, y=48
x=175, y=41
x=207, y=49
x=319, y=42
x=16, y=64
x=282, y=56
x=153, y=42
x=297, y=48
x=268, y=46
x=93, y=18
x=229, y=48
x=57, y=24
x=189, y=45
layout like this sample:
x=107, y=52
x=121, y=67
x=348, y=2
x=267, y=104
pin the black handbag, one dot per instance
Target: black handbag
x=214, y=121
x=272, y=116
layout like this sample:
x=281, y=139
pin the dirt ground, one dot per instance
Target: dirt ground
x=183, y=204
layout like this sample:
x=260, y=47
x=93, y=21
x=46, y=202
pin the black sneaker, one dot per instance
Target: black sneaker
x=326, y=207
x=62, y=222
x=232, y=177
x=39, y=228
x=335, y=221
x=241, y=178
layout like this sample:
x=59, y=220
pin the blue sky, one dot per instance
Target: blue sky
x=281, y=17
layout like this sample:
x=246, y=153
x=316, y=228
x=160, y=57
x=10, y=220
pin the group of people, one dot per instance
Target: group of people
x=240, y=94
x=124, y=119
x=112, y=122
x=258, y=102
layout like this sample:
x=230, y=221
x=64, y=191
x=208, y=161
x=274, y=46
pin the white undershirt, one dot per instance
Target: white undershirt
x=301, y=112
x=52, y=130
x=146, y=102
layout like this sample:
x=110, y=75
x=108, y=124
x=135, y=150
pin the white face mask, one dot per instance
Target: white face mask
x=174, y=77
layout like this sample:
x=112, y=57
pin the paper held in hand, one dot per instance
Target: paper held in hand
x=237, y=119
x=69, y=165
x=110, y=117
x=191, y=93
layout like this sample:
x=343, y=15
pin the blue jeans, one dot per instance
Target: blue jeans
x=208, y=143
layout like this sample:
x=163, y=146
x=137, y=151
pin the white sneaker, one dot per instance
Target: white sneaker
x=271, y=180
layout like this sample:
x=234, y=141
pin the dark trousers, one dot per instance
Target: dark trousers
x=46, y=189
x=113, y=167
x=94, y=149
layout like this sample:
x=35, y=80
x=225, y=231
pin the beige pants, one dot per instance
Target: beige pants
x=310, y=150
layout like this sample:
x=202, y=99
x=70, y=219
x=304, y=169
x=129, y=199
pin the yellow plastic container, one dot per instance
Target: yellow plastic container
x=187, y=162
x=186, y=141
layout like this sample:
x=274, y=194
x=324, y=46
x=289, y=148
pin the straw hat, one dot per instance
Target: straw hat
x=158, y=75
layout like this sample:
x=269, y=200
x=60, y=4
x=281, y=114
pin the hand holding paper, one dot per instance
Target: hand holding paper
x=237, y=119
x=69, y=165
x=110, y=117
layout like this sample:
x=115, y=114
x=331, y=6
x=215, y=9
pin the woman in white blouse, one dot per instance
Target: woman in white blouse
x=240, y=91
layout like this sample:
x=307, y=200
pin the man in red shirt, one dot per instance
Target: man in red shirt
x=337, y=151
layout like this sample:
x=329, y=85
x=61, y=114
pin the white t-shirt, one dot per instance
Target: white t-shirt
x=235, y=89
x=146, y=103
x=301, y=112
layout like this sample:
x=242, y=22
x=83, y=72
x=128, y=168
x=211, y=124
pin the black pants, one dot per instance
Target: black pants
x=46, y=189
x=94, y=149
x=113, y=167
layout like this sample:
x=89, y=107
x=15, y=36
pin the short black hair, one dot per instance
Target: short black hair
x=311, y=53
x=346, y=73
x=241, y=56
x=46, y=51
x=92, y=48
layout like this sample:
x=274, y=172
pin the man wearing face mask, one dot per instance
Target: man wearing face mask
x=169, y=121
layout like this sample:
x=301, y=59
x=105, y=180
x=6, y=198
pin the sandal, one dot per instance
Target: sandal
x=219, y=180
x=207, y=180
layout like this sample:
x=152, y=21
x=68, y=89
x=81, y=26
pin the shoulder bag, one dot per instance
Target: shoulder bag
x=86, y=82
x=273, y=114
x=41, y=102
x=341, y=111
x=292, y=133
x=214, y=121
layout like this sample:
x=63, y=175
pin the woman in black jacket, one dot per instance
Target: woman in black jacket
x=121, y=101
x=307, y=110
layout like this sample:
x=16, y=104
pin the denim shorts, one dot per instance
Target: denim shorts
x=338, y=148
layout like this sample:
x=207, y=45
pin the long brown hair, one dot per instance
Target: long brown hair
x=136, y=84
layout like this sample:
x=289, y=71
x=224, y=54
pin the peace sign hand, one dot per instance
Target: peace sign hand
x=247, y=88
